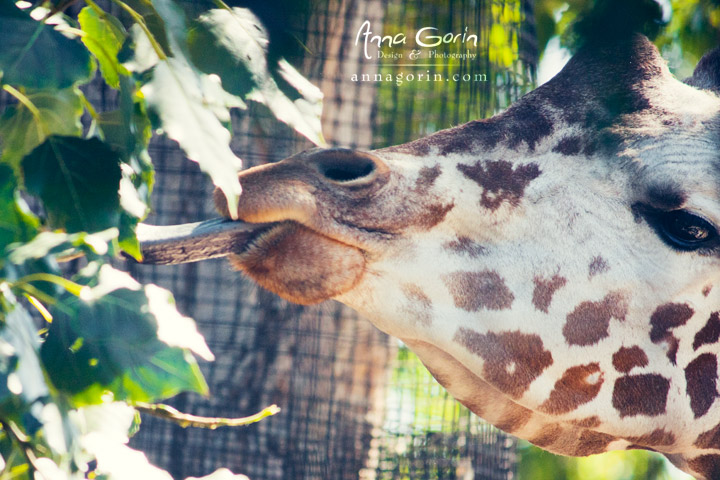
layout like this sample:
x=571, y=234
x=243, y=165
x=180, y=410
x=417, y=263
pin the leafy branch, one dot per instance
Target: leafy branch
x=110, y=345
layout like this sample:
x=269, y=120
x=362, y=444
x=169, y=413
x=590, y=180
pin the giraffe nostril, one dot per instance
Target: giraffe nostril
x=347, y=172
x=345, y=166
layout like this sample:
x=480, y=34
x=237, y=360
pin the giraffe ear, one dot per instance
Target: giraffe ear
x=707, y=72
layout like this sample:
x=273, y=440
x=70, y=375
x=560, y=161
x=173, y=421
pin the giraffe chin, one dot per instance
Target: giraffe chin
x=299, y=264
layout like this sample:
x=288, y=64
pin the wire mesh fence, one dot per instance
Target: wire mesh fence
x=355, y=403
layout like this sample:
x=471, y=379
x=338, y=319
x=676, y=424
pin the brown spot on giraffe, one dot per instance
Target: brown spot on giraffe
x=419, y=305
x=547, y=436
x=569, y=146
x=426, y=178
x=589, y=422
x=706, y=290
x=473, y=291
x=500, y=182
x=673, y=344
x=709, y=439
x=544, y=291
x=433, y=214
x=710, y=333
x=513, y=418
x=665, y=318
x=591, y=442
x=657, y=438
x=578, y=385
x=640, y=395
x=706, y=465
x=597, y=266
x=626, y=359
x=588, y=323
x=701, y=377
x=512, y=359
x=466, y=246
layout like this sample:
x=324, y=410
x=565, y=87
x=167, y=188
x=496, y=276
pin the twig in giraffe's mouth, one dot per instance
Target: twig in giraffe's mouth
x=193, y=242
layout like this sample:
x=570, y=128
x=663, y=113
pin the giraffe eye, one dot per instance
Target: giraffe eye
x=687, y=231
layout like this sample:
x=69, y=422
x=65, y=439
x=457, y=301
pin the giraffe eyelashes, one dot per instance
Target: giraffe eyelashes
x=686, y=231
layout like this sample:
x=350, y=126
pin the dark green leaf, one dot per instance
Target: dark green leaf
x=104, y=38
x=34, y=55
x=113, y=340
x=127, y=129
x=77, y=180
x=21, y=130
x=17, y=223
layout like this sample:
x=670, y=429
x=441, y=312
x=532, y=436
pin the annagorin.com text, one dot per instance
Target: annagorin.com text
x=402, y=77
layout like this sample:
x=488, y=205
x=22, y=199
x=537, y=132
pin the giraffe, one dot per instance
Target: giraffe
x=556, y=267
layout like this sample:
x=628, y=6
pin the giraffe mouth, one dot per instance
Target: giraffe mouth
x=299, y=263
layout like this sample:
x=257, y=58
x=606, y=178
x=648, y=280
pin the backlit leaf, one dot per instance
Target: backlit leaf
x=176, y=95
x=233, y=45
x=104, y=38
x=21, y=130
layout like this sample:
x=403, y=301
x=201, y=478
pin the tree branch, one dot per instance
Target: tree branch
x=187, y=420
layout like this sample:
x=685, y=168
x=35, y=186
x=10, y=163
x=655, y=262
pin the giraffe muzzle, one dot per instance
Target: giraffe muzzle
x=301, y=197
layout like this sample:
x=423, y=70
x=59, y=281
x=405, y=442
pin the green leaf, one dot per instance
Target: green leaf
x=17, y=223
x=35, y=262
x=110, y=341
x=51, y=244
x=57, y=113
x=233, y=45
x=177, y=96
x=155, y=23
x=34, y=55
x=128, y=131
x=21, y=378
x=128, y=128
x=104, y=38
x=77, y=180
x=190, y=107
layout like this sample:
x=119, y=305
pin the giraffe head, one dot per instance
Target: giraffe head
x=556, y=267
